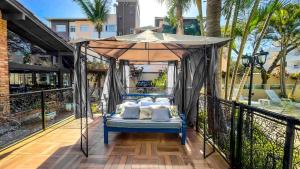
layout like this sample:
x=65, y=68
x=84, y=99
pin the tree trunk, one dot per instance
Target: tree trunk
x=264, y=78
x=200, y=15
x=278, y=57
x=179, y=30
x=282, y=77
x=213, y=15
x=99, y=34
x=243, y=43
x=232, y=36
x=242, y=83
x=294, y=87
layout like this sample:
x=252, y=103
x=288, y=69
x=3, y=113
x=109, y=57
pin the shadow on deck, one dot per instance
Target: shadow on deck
x=61, y=149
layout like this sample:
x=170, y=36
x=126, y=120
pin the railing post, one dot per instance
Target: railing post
x=43, y=110
x=232, y=134
x=197, y=119
x=239, y=138
x=289, y=145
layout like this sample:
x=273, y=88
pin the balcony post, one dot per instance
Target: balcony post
x=232, y=134
x=43, y=110
x=239, y=139
x=197, y=119
x=289, y=145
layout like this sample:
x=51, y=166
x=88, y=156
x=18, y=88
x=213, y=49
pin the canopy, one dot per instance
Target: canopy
x=150, y=46
x=198, y=56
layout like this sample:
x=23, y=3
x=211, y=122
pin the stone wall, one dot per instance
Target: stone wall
x=4, y=70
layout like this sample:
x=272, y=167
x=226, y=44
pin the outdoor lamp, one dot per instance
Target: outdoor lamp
x=258, y=60
x=246, y=60
x=262, y=57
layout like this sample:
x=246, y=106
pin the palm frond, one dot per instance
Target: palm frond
x=85, y=6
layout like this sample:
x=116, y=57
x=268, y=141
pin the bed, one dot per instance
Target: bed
x=113, y=122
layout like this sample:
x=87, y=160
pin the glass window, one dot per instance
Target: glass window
x=61, y=28
x=84, y=28
x=21, y=50
x=110, y=28
x=72, y=28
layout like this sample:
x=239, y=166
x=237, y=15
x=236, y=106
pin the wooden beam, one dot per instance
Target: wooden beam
x=13, y=16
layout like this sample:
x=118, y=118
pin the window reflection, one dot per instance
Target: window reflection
x=22, y=51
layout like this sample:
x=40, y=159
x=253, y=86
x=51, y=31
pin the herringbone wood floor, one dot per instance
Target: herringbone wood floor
x=61, y=149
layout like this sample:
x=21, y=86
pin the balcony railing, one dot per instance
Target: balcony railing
x=252, y=137
x=24, y=114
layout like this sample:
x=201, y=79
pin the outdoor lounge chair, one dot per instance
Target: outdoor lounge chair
x=275, y=99
x=114, y=123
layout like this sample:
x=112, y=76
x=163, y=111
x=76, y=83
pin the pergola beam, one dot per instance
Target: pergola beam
x=13, y=16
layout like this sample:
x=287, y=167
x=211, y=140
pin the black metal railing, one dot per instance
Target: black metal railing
x=249, y=137
x=24, y=114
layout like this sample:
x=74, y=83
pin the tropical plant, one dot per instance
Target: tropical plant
x=96, y=11
x=232, y=36
x=285, y=31
x=161, y=81
x=252, y=21
x=258, y=34
x=177, y=7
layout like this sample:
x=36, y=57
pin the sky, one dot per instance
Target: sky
x=69, y=9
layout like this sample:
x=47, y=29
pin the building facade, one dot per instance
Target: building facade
x=32, y=56
x=82, y=28
x=128, y=16
x=190, y=25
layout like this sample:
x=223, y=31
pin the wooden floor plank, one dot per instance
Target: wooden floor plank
x=61, y=149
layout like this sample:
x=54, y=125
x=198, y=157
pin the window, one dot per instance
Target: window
x=110, y=28
x=84, y=28
x=72, y=28
x=61, y=28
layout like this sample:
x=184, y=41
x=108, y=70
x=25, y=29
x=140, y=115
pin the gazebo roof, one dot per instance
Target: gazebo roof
x=151, y=46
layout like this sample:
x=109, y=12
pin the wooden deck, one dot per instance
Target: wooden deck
x=61, y=149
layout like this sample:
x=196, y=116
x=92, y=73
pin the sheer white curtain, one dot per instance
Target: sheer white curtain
x=172, y=75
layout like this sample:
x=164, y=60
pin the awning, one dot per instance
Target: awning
x=151, y=46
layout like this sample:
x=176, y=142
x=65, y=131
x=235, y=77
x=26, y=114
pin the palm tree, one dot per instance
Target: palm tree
x=285, y=30
x=178, y=7
x=200, y=16
x=243, y=43
x=232, y=36
x=96, y=11
x=213, y=16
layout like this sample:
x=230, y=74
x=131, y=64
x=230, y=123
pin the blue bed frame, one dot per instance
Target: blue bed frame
x=181, y=130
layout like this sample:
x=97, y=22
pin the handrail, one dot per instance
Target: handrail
x=35, y=92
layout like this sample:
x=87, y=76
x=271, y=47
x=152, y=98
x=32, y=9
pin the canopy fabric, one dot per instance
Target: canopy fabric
x=113, y=89
x=191, y=80
x=81, y=95
x=150, y=46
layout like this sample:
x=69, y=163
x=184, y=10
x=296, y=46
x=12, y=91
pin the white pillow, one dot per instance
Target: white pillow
x=160, y=114
x=145, y=103
x=131, y=112
x=145, y=112
x=129, y=103
x=121, y=107
x=162, y=103
x=162, y=99
x=146, y=99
